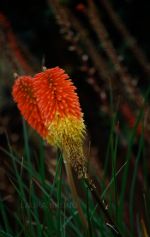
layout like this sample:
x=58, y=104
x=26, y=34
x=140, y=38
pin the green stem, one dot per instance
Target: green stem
x=74, y=191
x=59, y=188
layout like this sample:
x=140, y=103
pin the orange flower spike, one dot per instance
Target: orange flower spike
x=60, y=109
x=55, y=92
x=24, y=96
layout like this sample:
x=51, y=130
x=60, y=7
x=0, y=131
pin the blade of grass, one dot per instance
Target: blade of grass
x=131, y=204
x=111, y=129
x=26, y=142
x=35, y=204
x=41, y=160
x=69, y=223
x=110, y=223
x=59, y=199
x=4, y=216
x=88, y=213
x=114, y=145
x=112, y=180
x=4, y=234
x=145, y=234
x=74, y=192
x=126, y=170
x=139, y=227
x=146, y=197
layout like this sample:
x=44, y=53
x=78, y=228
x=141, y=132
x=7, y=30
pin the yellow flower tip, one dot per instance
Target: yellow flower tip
x=66, y=127
x=68, y=134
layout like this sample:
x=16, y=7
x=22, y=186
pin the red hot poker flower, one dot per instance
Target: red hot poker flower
x=24, y=96
x=60, y=108
x=56, y=94
x=49, y=103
